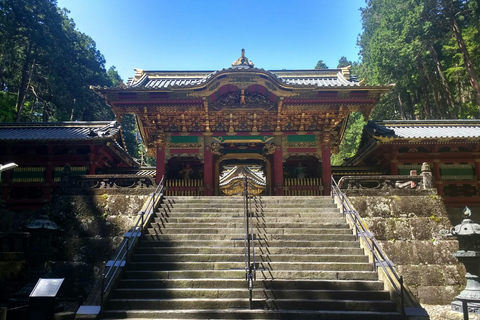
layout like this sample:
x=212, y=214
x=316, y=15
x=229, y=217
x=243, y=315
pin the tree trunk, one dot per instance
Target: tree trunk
x=3, y=66
x=400, y=105
x=445, y=86
x=427, y=109
x=466, y=59
x=438, y=105
x=27, y=71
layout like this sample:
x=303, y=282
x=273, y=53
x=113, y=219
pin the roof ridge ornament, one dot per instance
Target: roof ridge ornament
x=243, y=62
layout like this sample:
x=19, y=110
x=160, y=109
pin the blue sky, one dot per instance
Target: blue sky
x=209, y=35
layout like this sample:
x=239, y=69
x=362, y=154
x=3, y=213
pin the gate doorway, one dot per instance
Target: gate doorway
x=231, y=172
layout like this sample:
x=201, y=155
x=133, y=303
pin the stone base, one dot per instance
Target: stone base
x=472, y=307
x=450, y=315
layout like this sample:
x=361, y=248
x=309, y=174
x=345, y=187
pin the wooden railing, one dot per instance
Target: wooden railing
x=303, y=187
x=190, y=187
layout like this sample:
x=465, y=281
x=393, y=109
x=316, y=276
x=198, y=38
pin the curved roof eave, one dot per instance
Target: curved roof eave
x=197, y=80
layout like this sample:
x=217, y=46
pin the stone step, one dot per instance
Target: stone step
x=226, y=219
x=191, y=264
x=242, y=314
x=220, y=216
x=285, y=284
x=208, y=303
x=270, y=265
x=240, y=250
x=214, y=207
x=238, y=224
x=240, y=293
x=256, y=215
x=282, y=199
x=259, y=257
x=261, y=275
x=155, y=241
x=156, y=234
x=179, y=229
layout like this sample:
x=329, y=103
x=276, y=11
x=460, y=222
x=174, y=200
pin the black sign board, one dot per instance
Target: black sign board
x=46, y=288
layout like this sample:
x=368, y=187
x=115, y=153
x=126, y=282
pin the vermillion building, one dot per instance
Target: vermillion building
x=204, y=125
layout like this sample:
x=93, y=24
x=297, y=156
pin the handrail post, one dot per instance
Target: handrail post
x=102, y=293
x=248, y=263
x=378, y=256
x=122, y=256
x=402, y=299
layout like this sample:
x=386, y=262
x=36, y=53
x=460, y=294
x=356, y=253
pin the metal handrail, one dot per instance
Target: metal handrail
x=250, y=266
x=361, y=230
x=135, y=232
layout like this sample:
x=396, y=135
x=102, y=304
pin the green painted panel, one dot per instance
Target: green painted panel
x=28, y=174
x=236, y=151
x=246, y=138
x=184, y=139
x=301, y=138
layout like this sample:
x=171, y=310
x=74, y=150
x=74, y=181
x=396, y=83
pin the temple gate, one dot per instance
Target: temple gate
x=285, y=122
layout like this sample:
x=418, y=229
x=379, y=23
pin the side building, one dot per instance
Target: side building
x=42, y=150
x=450, y=147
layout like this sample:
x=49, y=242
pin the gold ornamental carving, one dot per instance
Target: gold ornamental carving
x=269, y=148
x=216, y=148
x=184, y=145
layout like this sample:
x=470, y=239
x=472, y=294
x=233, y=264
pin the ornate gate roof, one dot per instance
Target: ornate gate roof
x=242, y=99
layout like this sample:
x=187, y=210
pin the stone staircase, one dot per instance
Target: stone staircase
x=190, y=264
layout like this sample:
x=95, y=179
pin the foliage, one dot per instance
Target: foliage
x=48, y=65
x=321, y=65
x=430, y=50
x=343, y=62
x=130, y=131
x=351, y=140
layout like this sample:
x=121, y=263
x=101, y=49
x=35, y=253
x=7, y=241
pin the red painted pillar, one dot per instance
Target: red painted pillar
x=47, y=191
x=6, y=181
x=394, y=167
x=208, y=171
x=477, y=169
x=160, y=163
x=91, y=160
x=278, y=171
x=437, y=176
x=326, y=170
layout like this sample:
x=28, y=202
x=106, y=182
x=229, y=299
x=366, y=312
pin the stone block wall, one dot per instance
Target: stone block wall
x=91, y=226
x=408, y=226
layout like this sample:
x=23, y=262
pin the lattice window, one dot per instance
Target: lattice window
x=28, y=174
x=74, y=171
x=457, y=171
x=404, y=169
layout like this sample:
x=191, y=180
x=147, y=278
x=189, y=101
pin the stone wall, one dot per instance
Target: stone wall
x=90, y=229
x=93, y=227
x=407, y=225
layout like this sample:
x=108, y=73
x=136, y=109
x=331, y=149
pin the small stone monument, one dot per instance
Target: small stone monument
x=468, y=235
x=427, y=176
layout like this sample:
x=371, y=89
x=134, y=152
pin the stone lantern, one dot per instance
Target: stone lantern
x=42, y=230
x=468, y=236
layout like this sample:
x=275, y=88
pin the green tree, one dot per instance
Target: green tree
x=321, y=65
x=351, y=139
x=48, y=65
x=114, y=77
x=429, y=49
x=343, y=62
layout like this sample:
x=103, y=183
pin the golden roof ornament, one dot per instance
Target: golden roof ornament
x=243, y=61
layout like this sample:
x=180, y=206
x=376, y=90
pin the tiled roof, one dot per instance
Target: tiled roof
x=30, y=131
x=425, y=129
x=301, y=78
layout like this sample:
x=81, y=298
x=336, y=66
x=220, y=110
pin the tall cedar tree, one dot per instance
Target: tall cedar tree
x=47, y=65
